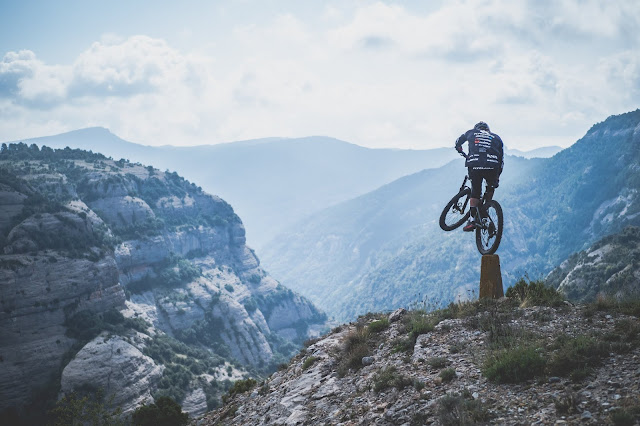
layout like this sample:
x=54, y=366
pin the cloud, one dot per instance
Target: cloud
x=112, y=67
x=14, y=67
x=27, y=80
x=376, y=42
x=622, y=70
x=373, y=73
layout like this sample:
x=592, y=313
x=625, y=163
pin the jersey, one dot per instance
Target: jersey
x=485, y=149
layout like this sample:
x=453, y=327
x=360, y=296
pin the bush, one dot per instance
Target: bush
x=627, y=306
x=419, y=323
x=448, y=375
x=240, y=386
x=165, y=412
x=85, y=325
x=390, y=378
x=172, y=272
x=379, y=325
x=309, y=362
x=514, y=365
x=626, y=416
x=460, y=410
x=355, y=348
x=534, y=293
x=575, y=356
x=437, y=362
x=75, y=409
x=401, y=344
x=416, y=323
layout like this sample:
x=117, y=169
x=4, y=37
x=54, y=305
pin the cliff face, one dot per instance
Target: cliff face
x=608, y=268
x=83, y=237
x=42, y=280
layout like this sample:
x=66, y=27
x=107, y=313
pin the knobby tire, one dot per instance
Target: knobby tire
x=451, y=219
x=488, y=240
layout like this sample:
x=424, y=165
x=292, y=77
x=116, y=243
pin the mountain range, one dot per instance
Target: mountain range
x=385, y=249
x=272, y=182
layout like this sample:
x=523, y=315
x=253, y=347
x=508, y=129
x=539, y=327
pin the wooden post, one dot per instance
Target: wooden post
x=490, y=277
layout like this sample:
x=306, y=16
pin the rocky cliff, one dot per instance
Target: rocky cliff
x=608, y=268
x=487, y=362
x=93, y=246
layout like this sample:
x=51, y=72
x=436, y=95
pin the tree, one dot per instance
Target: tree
x=89, y=409
x=165, y=412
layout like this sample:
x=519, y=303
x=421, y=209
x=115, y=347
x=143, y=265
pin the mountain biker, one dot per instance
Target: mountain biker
x=484, y=161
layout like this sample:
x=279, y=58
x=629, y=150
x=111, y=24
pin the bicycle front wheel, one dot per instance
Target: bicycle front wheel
x=456, y=211
x=489, y=232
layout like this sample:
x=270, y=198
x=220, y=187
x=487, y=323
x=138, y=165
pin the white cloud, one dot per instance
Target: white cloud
x=29, y=81
x=377, y=74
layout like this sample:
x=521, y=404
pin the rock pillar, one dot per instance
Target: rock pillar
x=490, y=277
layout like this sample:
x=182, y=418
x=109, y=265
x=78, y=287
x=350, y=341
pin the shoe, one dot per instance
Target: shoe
x=470, y=226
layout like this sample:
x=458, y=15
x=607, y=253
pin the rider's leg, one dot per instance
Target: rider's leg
x=474, y=200
x=491, y=179
x=476, y=177
x=488, y=193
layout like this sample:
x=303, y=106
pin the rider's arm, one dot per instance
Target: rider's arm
x=461, y=140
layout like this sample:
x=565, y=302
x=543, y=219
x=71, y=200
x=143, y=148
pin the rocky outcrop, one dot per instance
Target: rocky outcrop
x=122, y=211
x=608, y=268
x=113, y=366
x=439, y=376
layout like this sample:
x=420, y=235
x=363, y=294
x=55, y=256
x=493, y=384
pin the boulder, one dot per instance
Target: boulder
x=122, y=372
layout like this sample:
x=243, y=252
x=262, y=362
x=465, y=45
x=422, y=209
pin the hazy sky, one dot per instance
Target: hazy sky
x=406, y=74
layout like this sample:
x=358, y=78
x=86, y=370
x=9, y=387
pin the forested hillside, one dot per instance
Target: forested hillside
x=394, y=253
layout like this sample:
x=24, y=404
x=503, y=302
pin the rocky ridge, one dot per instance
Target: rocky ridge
x=609, y=266
x=440, y=376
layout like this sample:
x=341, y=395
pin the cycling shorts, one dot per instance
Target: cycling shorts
x=492, y=176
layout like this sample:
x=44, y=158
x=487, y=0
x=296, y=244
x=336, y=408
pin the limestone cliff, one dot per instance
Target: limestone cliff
x=85, y=239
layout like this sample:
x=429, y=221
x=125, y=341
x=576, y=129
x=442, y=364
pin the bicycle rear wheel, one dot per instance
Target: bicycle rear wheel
x=456, y=211
x=489, y=232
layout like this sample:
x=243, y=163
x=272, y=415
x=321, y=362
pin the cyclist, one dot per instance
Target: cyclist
x=484, y=161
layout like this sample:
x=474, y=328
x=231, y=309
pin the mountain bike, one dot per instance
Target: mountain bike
x=489, y=221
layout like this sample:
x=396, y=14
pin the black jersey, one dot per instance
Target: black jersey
x=485, y=149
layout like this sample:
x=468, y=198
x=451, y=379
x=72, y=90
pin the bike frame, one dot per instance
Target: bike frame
x=487, y=196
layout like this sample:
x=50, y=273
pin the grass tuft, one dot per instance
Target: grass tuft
x=355, y=348
x=460, y=410
x=514, y=365
x=447, y=375
x=379, y=325
x=437, y=362
x=575, y=356
x=309, y=362
x=390, y=378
